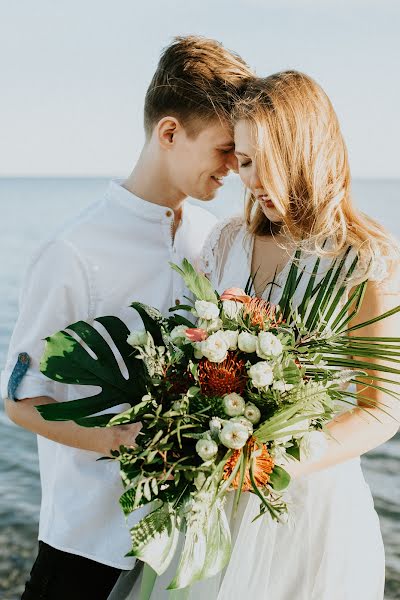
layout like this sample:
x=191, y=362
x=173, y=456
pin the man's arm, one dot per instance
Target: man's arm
x=56, y=293
x=96, y=439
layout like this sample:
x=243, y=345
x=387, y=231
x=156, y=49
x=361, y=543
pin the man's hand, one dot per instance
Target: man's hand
x=96, y=439
x=125, y=435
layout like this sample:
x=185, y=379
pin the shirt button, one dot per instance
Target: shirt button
x=177, y=302
x=168, y=213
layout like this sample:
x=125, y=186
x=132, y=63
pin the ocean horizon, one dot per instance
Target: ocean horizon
x=32, y=209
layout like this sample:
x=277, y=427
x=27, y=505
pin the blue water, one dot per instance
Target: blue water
x=30, y=210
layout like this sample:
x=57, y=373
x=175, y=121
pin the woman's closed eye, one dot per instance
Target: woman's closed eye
x=245, y=164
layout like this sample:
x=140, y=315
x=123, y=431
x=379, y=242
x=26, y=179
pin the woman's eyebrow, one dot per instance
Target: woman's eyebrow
x=240, y=153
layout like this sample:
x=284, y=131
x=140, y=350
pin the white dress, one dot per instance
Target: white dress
x=332, y=547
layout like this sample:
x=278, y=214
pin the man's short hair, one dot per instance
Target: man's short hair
x=196, y=81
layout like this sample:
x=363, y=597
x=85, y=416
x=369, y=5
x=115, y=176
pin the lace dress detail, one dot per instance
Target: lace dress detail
x=217, y=247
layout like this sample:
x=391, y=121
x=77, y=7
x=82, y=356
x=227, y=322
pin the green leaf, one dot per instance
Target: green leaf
x=309, y=289
x=155, y=538
x=291, y=372
x=388, y=313
x=324, y=292
x=279, y=479
x=186, y=307
x=290, y=286
x=153, y=321
x=294, y=451
x=196, y=282
x=130, y=415
x=193, y=557
x=218, y=542
x=66, y=360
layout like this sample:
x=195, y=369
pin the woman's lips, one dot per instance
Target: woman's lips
x=266, y=201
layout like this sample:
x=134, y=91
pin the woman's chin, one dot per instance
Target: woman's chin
x=272, y=215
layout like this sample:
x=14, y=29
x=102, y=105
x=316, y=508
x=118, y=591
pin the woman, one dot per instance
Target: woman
x=293, y=161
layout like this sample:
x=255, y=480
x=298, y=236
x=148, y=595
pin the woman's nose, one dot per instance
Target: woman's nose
x=255, y=183
x=231, y=162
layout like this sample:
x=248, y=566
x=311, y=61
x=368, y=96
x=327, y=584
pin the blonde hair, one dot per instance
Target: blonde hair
x=303, y=167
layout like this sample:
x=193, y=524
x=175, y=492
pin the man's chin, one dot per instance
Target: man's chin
x=206, y=197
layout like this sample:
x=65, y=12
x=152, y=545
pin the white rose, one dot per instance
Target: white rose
x=206, y=449
x=268, y=345
x=248, y=424
x=234, y=435
x=231, y=338
x=137, y=338
x=215, y=347
x=233, y=404
x=178, y=335
x=261, y=374
x=232, y=309
x=252, y=413
x=247, y=342
x=206, y=310
x=313, y=445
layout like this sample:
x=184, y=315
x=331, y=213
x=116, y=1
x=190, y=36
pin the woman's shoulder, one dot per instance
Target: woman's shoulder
x=226, y=228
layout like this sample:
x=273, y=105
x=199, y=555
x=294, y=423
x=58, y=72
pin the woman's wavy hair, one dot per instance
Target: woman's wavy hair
x=303, y=167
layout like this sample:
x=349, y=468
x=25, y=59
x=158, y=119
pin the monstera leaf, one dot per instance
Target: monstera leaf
x=67, y=360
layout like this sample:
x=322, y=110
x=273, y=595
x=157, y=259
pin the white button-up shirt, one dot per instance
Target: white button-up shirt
x=113, y=253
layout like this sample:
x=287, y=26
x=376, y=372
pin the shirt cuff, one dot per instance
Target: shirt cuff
x=31, y=386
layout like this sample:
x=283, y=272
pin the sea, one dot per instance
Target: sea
x=31, y=210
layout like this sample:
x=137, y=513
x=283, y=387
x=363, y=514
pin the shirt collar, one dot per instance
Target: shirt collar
x=140, y=207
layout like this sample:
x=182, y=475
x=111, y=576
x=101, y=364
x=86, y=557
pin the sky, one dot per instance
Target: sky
x=74, y=73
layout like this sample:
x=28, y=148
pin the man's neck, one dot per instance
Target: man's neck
x=150, y=182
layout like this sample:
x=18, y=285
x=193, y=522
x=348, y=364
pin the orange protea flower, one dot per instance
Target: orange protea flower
x=263, y=466
x=259, y=311
x=218, y=379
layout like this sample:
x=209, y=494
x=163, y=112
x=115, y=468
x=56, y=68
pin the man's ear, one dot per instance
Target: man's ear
x=166, y=130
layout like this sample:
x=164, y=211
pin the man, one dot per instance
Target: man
x=116, y=251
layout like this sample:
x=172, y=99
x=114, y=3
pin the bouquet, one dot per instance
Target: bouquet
x=226, y=398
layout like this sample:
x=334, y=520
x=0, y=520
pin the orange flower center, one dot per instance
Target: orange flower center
x=262, y=466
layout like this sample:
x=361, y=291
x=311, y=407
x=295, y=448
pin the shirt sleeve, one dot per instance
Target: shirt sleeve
x=56, y=292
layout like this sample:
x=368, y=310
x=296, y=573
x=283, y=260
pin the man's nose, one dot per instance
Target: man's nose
x=231, y=162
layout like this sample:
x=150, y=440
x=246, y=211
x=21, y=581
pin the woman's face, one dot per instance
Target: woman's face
x=245, y=151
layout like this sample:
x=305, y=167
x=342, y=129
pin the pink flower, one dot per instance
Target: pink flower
x=236, y=294
x=196, y=334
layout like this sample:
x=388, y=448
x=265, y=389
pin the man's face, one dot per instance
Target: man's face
x=198, y=164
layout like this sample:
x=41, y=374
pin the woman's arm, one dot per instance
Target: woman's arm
x=376, y=419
